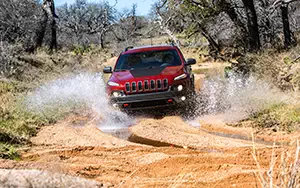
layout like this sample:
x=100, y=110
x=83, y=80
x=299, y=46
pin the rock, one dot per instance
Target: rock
x=37, y=178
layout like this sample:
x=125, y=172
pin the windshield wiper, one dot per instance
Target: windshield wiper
x=121, y=70
x=151, y=67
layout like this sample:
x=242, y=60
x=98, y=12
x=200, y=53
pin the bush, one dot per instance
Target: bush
x=279, y=117
x=19, y=21
x=8, y=152
x=9, y=64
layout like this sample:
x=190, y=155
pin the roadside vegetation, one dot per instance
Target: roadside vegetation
x=282, y=68
x=17, y=123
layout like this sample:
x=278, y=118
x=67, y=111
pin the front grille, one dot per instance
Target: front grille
x=133, y=87
x=152, y=85
x=127, y=87
x=140, y=86
x=146, y=85
x=165, y=83
x=158, y=84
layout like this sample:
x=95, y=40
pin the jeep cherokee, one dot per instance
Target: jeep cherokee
x=150, y=77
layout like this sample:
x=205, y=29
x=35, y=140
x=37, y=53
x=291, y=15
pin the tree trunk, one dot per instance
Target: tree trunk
x=252, y=25
x=102, y=40
x=214, y=45
x=48, y=13
x=40, y=33
x=231, y=12
x=288, y=35
x=53, y=45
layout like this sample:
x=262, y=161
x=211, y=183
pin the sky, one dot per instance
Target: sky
x=143, y=6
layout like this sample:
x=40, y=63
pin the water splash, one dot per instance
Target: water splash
x=236, y=98
x=75, y=93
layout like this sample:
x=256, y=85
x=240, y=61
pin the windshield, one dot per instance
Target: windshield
x=148, y=60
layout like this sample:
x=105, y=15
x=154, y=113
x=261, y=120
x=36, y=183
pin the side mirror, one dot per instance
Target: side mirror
x=107, y=70
x=190, y=61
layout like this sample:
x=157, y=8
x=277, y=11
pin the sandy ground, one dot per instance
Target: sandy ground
x=164, y=152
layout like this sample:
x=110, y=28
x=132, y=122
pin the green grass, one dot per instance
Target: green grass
x=280, y=117
x=8, y=152
x=17, y=125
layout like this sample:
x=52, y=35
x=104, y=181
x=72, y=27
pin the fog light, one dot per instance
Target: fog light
x=115, y=105
x=183, y=98
x=116, y=94
x=180, y=88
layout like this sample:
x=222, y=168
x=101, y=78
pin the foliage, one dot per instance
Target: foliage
x=16, y=124
x=8, y=152
x=279, y=117
x=9, y=64
x=18, y=21
x=84, y=23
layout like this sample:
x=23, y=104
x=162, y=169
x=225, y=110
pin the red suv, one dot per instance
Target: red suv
x=150, y=77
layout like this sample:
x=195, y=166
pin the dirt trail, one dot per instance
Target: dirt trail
x=166, y=152
x=175, y=131
x=76, y=147
x=77, y=131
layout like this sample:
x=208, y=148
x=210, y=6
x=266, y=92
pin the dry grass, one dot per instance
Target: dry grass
x=281, y=67
x=279, y=117
x=283, y=171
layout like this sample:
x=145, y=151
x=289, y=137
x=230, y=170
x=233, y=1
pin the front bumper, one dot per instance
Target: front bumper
x=149, y=100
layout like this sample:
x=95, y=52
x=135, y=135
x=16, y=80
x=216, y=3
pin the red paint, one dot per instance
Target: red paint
x=168, y=73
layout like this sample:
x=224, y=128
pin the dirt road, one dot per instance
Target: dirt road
x=166, y=152
x=154, y=152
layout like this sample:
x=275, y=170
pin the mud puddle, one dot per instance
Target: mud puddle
x=122, y=133
x=126, y=134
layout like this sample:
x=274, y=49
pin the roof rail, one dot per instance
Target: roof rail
x=128, y=48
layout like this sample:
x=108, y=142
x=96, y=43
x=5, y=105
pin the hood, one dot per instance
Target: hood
x=143, y=74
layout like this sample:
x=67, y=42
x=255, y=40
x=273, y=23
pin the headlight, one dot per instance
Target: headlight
x=113, y=84
x=183, y=76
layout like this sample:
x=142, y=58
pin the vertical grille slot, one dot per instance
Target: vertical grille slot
x=152, y=85
x=158, y=83
x=166, y=83
x=146, y=83
x=127, y=87
x=140, y=86
x=133, y=86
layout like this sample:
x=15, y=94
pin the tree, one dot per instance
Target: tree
x=289, y=38
x=84, y=21
x=49, y=15
x=19, y=22
x=252, y=26
x=165, y=17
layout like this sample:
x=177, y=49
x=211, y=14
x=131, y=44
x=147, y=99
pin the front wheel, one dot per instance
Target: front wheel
x=188, y=108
